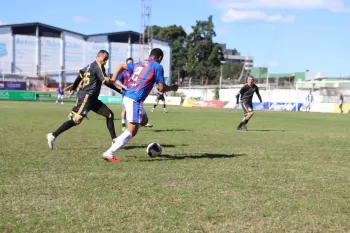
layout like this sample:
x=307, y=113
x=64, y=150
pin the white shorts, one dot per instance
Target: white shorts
x=59, y=96
x=134, y=110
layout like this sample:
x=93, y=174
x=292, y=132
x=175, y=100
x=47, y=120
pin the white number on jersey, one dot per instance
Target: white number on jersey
x=136, y=75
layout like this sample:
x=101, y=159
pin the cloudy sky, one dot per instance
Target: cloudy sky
x=286, y=35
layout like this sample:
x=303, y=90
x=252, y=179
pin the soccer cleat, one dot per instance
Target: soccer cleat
x=165, y=111
x=110, y=158
x=244, y=127
x=50, y=140
x=123, y=128
x=149, y=125
x=152, y=110
x=239, y=128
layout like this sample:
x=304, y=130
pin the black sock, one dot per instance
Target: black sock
x=240, y=124
x=246, y=121
x=164, y=105
x=155, y=106
x=110, y=126
x=65, y=126
x=123, y=125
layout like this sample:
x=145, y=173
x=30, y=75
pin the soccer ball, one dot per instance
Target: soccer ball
x=154, y=149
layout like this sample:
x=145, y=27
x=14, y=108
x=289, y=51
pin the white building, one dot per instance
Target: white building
x=36, y=49
x=233, y=56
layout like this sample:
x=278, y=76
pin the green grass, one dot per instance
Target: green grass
x=289, y=173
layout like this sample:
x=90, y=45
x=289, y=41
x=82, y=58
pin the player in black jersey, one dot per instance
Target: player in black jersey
x=160, y=96
x=92, y=77
x=246, y=93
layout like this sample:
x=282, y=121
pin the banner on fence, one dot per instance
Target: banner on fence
x=278, y=106
x=111, y=99
x=52, y=96
x=6, y=85
x=169, y=100
x=17, y=95
x=320, y=107
x=208, y=104
x=188, y=103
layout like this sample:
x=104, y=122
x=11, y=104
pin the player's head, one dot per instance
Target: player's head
x=157, y=54
x=129, y=60
x=102, y=57
x=250, y=80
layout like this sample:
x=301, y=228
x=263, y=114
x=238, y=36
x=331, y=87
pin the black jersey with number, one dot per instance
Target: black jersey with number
x=247, y=93
x=93, y=76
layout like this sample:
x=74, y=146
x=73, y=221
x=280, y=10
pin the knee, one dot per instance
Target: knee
x=77, y=119
x=111, y=114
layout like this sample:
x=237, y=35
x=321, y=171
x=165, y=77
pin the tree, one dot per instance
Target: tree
x=176, y=36
x=204, y=56
x=232, y=71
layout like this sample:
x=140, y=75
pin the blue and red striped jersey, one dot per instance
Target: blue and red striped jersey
x=125, y=76
x=145, y=75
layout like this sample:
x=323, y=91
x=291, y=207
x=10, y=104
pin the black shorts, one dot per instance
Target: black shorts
x=85, y=103
x=160, y=97
x=247, y=108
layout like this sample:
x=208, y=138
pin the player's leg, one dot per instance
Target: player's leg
x=58, y=97
x=248, y=114
x=80, y=110
x=62, y=99
x=123, y=115
x=134, y=115
x=341, y=108
x=154, y=106
x=164, y=105
x=102, y=109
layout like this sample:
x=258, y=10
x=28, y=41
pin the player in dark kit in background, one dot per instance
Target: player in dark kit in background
x=123, y=81
x=341, y=101
x=160, y=96
x=246, y=93
x=93, y=76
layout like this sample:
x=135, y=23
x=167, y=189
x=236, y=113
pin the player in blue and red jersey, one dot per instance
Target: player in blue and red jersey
x=60, y=94
x=145, y=75
x=122, y=81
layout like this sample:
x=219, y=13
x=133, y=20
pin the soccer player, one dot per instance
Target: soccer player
x=309, y=100
x=145, y=75
x=341, y=101
x=122, y=81
x=246, y=93
x=60, y=94
x=160, y=96
x=93, y=76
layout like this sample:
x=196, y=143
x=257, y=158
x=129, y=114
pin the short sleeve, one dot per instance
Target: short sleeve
x=121, y=77
x=159, y=74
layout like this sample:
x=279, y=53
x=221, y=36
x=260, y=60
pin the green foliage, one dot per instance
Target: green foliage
x=204, y=56
x=231, y=71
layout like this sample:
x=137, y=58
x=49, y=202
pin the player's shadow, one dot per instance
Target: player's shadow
x=145, y=146
x=195, y=156
x=267, y=130
x=170, y=130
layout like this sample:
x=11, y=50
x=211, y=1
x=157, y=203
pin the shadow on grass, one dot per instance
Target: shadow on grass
x=170, y=130
x=267, y=130
x=195, y=156
x=145, y=146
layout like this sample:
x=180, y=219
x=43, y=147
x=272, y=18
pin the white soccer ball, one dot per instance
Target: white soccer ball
x=154, y=149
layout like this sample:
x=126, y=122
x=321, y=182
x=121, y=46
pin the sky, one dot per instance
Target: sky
x=284, y=35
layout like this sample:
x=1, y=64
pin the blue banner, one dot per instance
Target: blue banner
x=282, y=106
x=13, y=85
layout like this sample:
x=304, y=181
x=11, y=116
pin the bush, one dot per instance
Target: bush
x=216, y=93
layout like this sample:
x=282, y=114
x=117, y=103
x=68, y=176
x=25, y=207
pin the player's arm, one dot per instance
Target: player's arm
x=258, y=94
x=113, y=87
x=162, y=87
x=119, y=81
x=77, y=82
x=120, y=68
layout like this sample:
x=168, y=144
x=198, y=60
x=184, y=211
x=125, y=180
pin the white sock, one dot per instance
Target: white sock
x=123, y=121
x=120, y=142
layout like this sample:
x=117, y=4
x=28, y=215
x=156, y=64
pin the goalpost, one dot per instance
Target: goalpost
x=323, y=91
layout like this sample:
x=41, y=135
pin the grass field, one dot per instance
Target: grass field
x=289, y=173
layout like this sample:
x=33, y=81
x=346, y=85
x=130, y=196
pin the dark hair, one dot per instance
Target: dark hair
x=129, y=59
x=156, y=52
x=103, y=52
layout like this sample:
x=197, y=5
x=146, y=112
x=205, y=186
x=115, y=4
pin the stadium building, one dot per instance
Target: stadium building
x=36, y=49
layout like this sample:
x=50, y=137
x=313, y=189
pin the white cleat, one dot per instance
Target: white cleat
x=50, y=140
